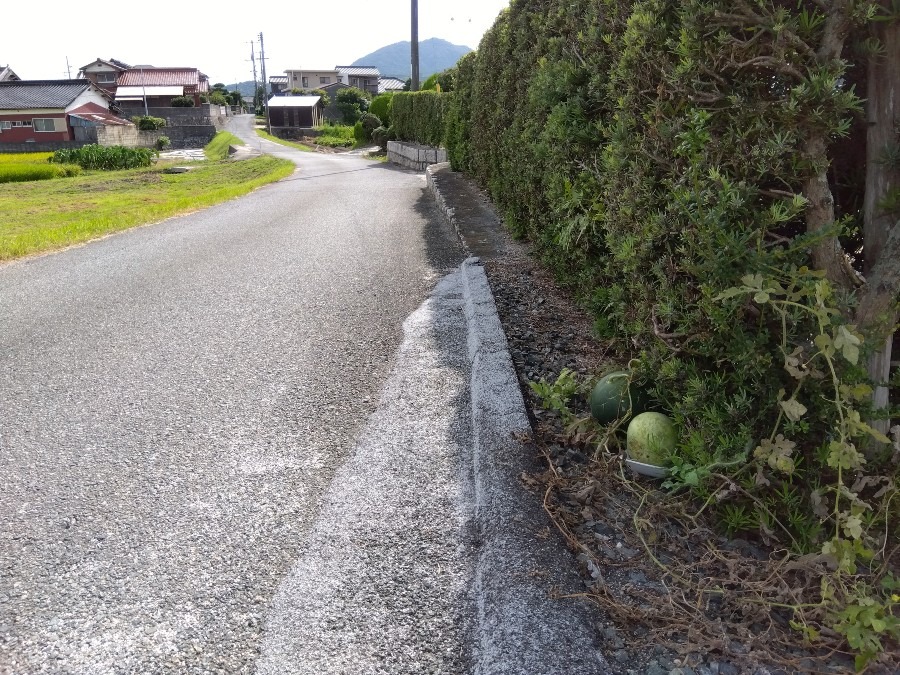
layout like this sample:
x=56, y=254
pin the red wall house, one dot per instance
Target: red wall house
x=37, y=110
x=37, y=127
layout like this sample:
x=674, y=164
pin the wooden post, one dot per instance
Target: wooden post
x=881, y=178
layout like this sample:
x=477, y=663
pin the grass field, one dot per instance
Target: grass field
x=336, y=136
x=290, y=144
x=43, y=215
x=25, y=158
x=217, y=148
x=27, y=166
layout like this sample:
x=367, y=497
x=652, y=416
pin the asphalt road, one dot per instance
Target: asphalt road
x=175, y=402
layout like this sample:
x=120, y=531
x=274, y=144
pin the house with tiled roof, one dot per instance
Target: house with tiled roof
x=7, y=74
x=104, y=73
x=389, y=84
x=307, y=78
x=361, y=77
x=39, y=111
x=278, y=83
x=156, y=87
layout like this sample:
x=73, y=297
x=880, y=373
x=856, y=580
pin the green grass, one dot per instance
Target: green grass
x=40, y=216
x=290, y=144
x=21, y=172
x=336, y=136
x=217, y=148
x=24, y=157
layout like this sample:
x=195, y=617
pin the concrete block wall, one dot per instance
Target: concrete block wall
x=39, y=147
x=415, y=156
x=195, y=136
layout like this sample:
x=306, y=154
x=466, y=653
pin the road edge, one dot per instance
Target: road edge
x=523, y=624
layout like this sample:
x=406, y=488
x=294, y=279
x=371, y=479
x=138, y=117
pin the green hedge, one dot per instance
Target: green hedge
x=419, y=116
x=660, y=156
x=656, y=154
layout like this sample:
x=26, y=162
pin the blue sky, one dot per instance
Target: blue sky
x=216, y=38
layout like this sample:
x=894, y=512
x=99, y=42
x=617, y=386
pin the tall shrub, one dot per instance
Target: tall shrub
x=419, y=116
x=674, y=163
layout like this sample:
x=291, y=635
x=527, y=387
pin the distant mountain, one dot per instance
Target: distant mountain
x=435, y=55
x=246, y=88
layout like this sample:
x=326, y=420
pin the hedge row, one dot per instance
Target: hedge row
x=657, y=154
x=419, y=116
x=683, y=166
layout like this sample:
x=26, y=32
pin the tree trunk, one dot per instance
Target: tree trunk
x=877, y=313
x=828, y=255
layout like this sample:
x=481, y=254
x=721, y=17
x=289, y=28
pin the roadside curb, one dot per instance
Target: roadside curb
x=520, y=627
x=449, y=212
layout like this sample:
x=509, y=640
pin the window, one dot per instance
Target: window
x=5, y=125
x=106, y=78
x=305, y=82
x=44, y=125
x=324, y=80
x=22, y=123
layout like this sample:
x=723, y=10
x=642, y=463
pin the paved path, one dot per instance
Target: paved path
x=175, y=401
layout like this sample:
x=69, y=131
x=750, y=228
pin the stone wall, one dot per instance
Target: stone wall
x=206, y=114
x=195, y=136
x=415, y=156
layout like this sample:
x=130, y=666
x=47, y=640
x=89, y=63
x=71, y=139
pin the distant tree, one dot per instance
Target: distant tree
x=442, y=81
x=326, y=99
x=219, y=86
x=235, y=98
x=381, y=106
x=352, y=102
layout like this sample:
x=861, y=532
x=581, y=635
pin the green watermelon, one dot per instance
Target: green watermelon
x=651, y=438
x=610, y=399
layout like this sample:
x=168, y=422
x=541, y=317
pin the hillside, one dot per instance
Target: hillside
x=435, y=55
x=246, y=88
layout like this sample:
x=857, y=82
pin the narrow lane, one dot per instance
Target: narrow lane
x=174, y=402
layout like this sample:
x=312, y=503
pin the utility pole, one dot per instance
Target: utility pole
x=414, y=46
x=255, y=86
x=262, y=63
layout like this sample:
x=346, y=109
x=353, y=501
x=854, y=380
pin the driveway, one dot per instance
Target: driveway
x=175, y=402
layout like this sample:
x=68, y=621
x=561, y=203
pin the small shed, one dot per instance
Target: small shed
x=295, y=112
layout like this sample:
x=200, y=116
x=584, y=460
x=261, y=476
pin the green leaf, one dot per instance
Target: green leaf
x=848, y=343
x=793, y=409
x=730, y=293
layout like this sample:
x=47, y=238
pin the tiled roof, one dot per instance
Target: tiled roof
x=358, y=71
x=185, y=77
x=109, y=62
x=390, y=84
x=95, y=113
x=6, y=73
x=27, y=94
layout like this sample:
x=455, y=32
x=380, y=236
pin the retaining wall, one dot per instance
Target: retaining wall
x=415, y=156
x=192, y=136
x=40, y=147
